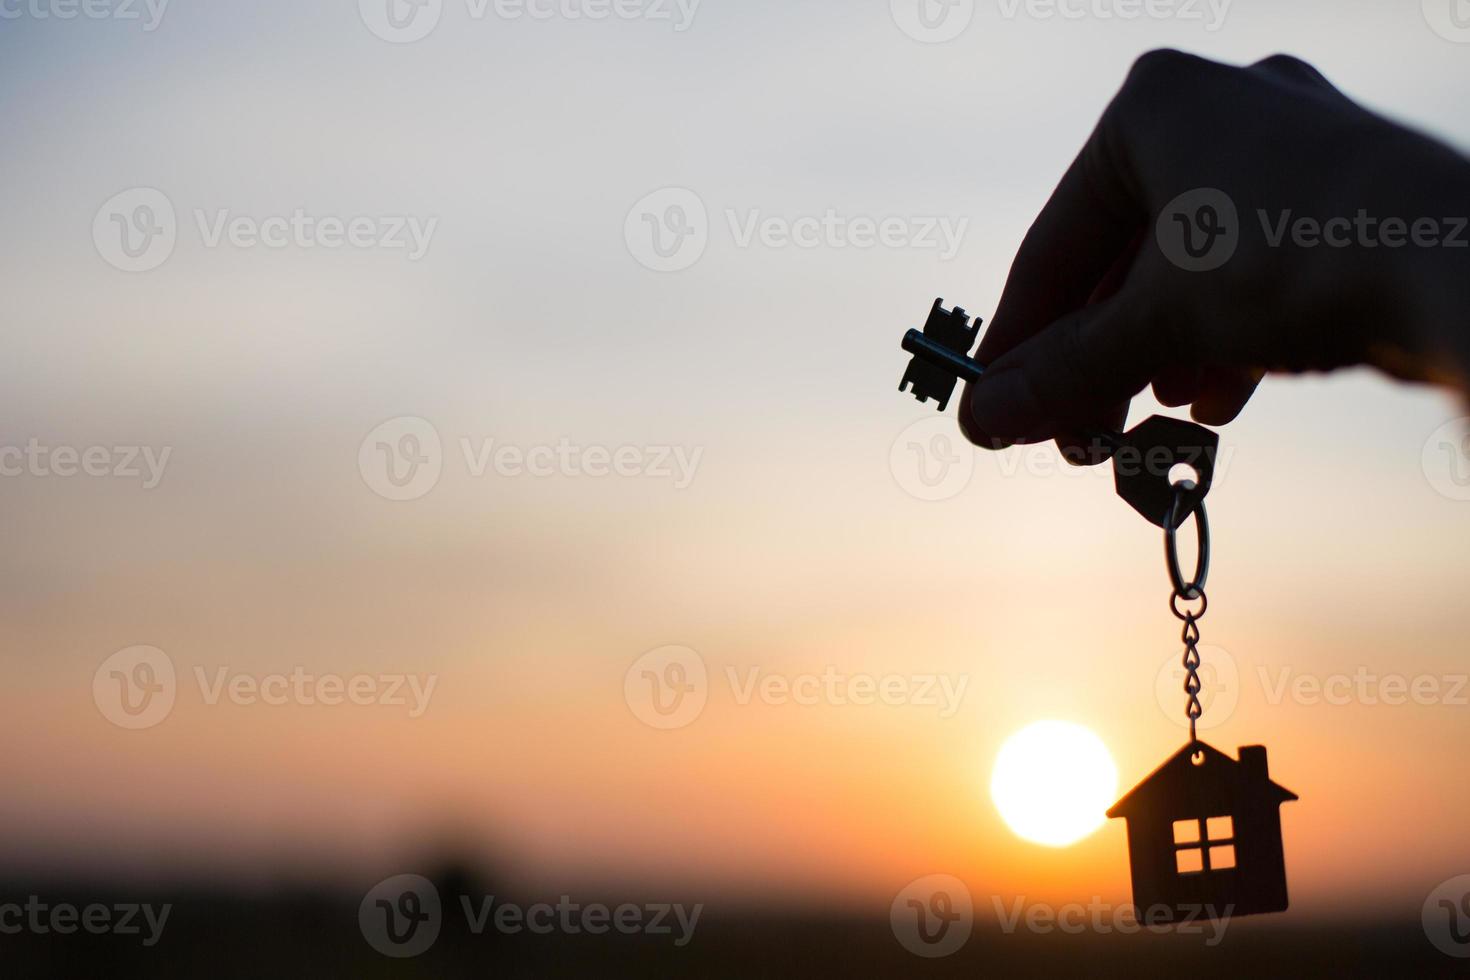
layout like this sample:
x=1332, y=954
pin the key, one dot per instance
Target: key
x=945, y=340
x=1142, y=458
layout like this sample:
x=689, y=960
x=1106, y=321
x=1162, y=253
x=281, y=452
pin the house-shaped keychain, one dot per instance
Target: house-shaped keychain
x=1204, y=836
x=1204, y=830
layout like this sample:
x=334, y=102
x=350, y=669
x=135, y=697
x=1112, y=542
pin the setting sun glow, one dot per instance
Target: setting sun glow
x=1053, y=782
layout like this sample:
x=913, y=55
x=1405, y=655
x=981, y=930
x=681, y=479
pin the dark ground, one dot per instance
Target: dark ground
x=316, y=934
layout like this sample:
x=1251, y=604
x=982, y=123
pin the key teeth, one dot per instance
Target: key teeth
x=952, y=329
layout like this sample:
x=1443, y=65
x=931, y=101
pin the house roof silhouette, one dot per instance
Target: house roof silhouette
x=1209, y=788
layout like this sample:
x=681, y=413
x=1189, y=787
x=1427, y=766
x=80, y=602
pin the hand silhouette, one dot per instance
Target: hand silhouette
x=1341, y=250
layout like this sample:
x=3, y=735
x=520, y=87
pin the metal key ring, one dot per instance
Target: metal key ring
x=1195, y=588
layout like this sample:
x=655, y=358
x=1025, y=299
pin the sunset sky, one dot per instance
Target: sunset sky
x=796, y=545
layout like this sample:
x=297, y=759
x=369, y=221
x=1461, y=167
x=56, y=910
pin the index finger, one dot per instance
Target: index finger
x=1082, y=234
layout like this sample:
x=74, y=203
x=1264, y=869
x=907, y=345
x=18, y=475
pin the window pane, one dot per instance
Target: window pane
x=1219, y=828
x=1190, y=860
x=1186, y=831
x=1222, y=857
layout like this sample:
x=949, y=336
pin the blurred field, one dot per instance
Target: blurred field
x=305, y=932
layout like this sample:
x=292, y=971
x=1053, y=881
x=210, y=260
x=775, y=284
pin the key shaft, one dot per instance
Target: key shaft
x=961, y=366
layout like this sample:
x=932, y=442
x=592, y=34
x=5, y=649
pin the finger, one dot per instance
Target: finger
x=1295, y=71
x=1223, y=393
x=1081, y=449
x=1078, y=448
x=1072, y=374
x=1178, y=384
x=1070, y=248
x=1077, y=239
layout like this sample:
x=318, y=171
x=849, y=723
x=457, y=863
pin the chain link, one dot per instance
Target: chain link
x=1191, y=591
x=1190, y=636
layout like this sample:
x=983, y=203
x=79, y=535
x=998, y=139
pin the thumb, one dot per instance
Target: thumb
x=1069, y=375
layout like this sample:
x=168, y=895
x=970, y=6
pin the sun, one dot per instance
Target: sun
x=1053, y=782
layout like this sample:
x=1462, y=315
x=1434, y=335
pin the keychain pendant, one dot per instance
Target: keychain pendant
x=1204, y=830
x=1204, y=837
